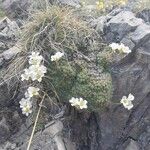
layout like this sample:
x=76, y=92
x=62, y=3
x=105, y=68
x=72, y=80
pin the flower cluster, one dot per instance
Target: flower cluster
x=26, y=106
x=36, y=70
x=26, y=103
x=78, y=103
x=120, y=47
x=57, y=56
x=127, y=101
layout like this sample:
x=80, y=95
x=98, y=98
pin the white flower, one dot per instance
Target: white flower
x=26, y=106
x=57, y=56
x=74, y=101
x=35, y=58
x=124, y=49
x=25, y=75
x=114, y=46
x=78, y=103
x=120, y=47
x=82, y=103
x=32, y=91
x=37, y=72
x=127, y=101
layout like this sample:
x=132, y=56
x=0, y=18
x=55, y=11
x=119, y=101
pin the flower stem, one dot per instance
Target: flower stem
x=35, y=123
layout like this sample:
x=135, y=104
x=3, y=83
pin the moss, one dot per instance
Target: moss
x=2, y=14
x=96, y=91
x=105, y=58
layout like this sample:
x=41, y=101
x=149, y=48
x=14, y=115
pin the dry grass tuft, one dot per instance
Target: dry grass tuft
x=55, y=28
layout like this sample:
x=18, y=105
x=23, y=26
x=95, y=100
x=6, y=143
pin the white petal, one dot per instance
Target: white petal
x=123, y=98
x=131, y=97
x=129, y=106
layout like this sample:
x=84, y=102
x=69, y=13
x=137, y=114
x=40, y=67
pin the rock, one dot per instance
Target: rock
x=141, y=34
x=9, y=146
x=74, y=3
x=4, y=130
x=128, y=42
x=19, y=9
x=114, y=12
x=98, y=23
x=145, y=15
x=144, y=138
x=49, y=139
x=2, y=46
x=1, y=62
x=120, y=25
x=12, y=30
x=5, y=96
x=3, y=23
x=10, y=53
x=16, y=8
x=53, y=128
x=9, y=33
x=143, y=56
x=4, y=37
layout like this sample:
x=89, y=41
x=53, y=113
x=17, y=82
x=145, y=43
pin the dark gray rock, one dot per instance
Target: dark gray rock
x=120, y=25
x=130, y=75
x=3, y=23
x=4, y=37
x=4, y=94
x=145, y=15
x=1, y=62
x=141, y=34
x=144, y=138
x=4, y=130
x=9, y=33
x=16, y=8
x=48, y=139
x=128, y=42
x=9, y=124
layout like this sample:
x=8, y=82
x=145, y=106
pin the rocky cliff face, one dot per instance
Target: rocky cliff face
x=112, y=129
x=115, y=128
